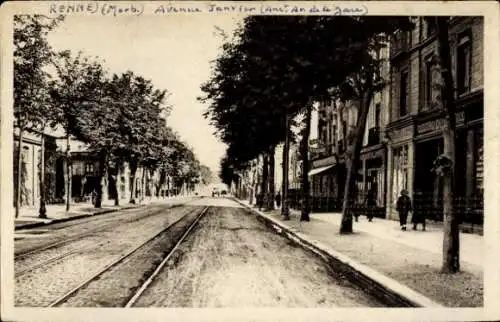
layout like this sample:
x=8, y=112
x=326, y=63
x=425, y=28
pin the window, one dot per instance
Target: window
x=377, y=115
x=431, y=26
x=429, y=82
x=400, y=174
x=464, y=63
x=344, y=130
x=334, y=134
x=403, y=94
x=89, y=168
x=479, y=166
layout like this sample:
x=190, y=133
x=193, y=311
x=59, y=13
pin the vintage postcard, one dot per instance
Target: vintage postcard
x=192, y=160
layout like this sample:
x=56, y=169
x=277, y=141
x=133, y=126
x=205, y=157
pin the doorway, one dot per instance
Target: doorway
x=426, y=181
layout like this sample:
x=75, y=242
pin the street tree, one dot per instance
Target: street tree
x=206, y=175
x=32, y=109
x=78, y=83
x=288, y=63
x=446, y=164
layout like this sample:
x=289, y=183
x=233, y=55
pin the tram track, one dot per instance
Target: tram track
x=135, y=259
x=144, y=213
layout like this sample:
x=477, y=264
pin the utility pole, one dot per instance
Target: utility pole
x=285, y=212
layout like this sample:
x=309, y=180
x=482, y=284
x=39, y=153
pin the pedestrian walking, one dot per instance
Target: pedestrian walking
x=277, y=198
x=403, y=207
x=418, y=214
x=371, y=204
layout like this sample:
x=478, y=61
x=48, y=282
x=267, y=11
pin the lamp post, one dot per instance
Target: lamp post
x=284, y=205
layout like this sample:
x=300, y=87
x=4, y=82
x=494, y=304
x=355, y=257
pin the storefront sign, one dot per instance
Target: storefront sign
x=324, y=162
x=439, y=124
x=401, y=133
x=431, y=126
x=373, y=155
x=318, y=150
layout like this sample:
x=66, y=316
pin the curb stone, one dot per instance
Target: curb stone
x=373, y=282
x=59, y=220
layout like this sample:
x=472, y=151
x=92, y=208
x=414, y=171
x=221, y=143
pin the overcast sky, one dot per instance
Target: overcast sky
x=173, y=51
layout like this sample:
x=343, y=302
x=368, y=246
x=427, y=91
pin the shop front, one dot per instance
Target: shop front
x=400, y=164
x=468, y=197
x=374, y=177
x=325, y=185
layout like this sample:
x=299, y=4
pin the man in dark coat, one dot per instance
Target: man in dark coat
x=403, y=207
x=371, y=204
x=278, y=199
x=418, y=215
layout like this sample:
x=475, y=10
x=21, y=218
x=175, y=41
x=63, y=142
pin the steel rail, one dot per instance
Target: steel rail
x=113, y=263
x=139, y=216
x=158, y=269
x=50, y=260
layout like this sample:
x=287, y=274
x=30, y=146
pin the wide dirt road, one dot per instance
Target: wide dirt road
x=233, y=260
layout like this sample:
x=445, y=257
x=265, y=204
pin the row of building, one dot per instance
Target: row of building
x=403, y=133
x=84, y=178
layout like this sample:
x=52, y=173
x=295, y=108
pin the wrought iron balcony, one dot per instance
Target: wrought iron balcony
x=400, y=43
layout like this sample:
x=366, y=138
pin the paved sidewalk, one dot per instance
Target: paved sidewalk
x=411, y=258
x=28, y=216
x=431, y=240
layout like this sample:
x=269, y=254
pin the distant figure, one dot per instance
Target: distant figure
x=418, y=215
x=277, y=198
x=403, y=207
x=371, y=204
x=260, y=200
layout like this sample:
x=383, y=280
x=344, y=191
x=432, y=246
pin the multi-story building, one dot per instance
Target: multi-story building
x=372, y=177
x=416, y=116
x=336, y=126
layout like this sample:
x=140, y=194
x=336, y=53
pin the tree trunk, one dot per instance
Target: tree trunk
x=284, y=190
x=265, y=179
x=133, y=171
x=68, y=172
x=451, y=240
x=19, y=172
x=117, y=190
x=143, y=185
x=102, y=173
x=252, y=183
x=42, y=212
x=304, y=151
x=352, y=155
x=272, y=190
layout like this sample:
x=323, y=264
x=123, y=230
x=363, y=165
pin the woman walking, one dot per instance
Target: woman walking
x=403, y=207
x=418, y=215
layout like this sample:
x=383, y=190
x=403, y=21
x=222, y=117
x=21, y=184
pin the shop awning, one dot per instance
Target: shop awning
x=320, y=169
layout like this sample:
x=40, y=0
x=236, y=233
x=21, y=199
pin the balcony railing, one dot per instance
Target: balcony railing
x=400, y=43
x=374, y=136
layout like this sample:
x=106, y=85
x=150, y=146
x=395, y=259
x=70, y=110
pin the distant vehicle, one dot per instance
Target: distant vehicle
x=223, y=192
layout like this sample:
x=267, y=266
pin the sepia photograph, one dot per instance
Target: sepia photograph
x=203, y=155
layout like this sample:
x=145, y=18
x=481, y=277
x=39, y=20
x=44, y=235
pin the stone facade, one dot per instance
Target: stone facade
x=30, y=166
x=417, y=118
